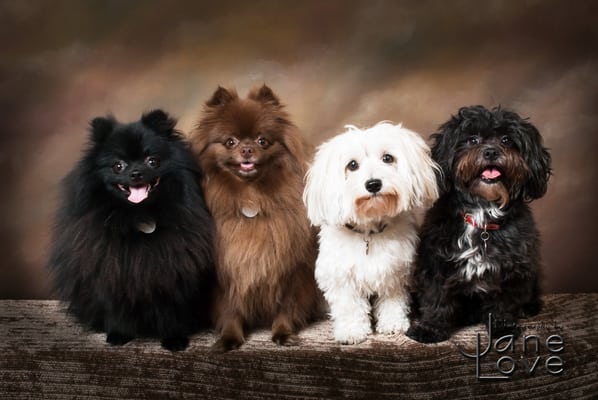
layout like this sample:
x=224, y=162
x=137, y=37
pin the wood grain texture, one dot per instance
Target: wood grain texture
x=45, y=354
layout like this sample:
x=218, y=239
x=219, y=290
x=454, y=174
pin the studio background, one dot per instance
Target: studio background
x=332, y=63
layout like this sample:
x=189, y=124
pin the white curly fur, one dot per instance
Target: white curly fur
x=371, y=259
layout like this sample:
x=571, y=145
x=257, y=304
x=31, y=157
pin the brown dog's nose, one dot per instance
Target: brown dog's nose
x=247, y=151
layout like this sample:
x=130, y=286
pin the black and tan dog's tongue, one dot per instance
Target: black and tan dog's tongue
x=491, y=174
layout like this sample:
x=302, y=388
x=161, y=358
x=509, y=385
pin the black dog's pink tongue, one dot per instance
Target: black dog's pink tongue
x=491, y=173
x=138, y=194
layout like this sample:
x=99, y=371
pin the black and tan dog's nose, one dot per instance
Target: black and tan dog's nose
x=373, y=185
x=491, y=154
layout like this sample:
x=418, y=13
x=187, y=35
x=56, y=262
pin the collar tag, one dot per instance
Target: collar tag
x=250, y=212
x=147, y=227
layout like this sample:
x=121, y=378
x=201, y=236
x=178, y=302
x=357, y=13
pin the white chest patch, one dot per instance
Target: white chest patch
x=146, y=227
x=476, y=263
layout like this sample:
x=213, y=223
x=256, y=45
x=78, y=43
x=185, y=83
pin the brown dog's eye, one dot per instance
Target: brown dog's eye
x=119, y=166
x=231, y=142
x=263, y=142
x=152, y=162
x=353, y=165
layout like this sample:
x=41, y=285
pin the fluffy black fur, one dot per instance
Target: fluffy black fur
x=493, y=164
x=116, y=278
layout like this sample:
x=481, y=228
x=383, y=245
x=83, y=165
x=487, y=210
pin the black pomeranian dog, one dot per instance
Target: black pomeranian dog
x=132, y=253
x=479, y=249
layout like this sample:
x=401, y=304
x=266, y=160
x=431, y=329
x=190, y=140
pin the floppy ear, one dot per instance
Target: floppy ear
x=101, y=127
x=322, y=194
x=264, y=95
x=221, y=97
x=538, y=159
x=423, y=171
x=444, y=147
x=160, y=122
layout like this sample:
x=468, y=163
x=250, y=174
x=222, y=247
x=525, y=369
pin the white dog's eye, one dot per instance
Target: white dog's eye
x=388, y=159
x=353, y=165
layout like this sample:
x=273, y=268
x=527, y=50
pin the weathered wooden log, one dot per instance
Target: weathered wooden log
x=45, y=354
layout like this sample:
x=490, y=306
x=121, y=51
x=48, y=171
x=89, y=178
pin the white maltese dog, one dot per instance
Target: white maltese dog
x=361, y=190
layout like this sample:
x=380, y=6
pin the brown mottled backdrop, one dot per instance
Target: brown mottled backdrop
x=332, y=62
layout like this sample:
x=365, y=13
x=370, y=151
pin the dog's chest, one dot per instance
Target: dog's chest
x=473, y=256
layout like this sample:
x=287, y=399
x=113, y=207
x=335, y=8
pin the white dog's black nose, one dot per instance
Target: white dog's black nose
x=373, y=185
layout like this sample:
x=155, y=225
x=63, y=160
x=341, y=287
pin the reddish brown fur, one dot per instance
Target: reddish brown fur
x=378, y=206
x=265, y=264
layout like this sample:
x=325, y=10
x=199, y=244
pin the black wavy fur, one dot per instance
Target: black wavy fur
x=114, y=277
x=443, y=297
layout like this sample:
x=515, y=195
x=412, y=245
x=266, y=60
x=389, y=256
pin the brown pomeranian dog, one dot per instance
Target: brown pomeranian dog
x=254, y=162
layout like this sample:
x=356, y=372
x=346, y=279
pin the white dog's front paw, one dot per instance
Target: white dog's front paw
x=388, y=326
x=352, y=335
x=391, y=317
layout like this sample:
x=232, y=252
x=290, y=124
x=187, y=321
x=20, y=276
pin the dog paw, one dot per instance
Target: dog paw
x=286, y=339
x=503, y=327
x=531, y=309
x=175, y=343
x=354, y=336
x=390, y=326
x=424, y=334
x=118, y=339
x=225, y=344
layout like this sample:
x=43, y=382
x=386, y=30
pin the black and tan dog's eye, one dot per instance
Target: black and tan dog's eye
x=119, y=166
x=152, y=162
x=473, y=140
x=506, y=141
x=353, y=165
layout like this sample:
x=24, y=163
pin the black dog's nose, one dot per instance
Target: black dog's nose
x=136, y=175
x=373, y=185
x=491, y=154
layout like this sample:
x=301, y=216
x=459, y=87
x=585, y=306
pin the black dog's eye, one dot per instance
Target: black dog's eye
x=506, y=141
x=263, y=142
x=231, y=142
x=388, y=159
x=119, y=166
x=353, y=165
x=473, y=140
x=152, y=162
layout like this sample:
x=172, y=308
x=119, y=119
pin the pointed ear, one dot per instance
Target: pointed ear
x=101, y=127
x=221, y=97
x=264, y=95
x=159, y=121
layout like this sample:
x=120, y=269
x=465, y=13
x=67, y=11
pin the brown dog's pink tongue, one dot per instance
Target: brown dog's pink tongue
x=138, y=194
x=247, y=166
x=491, y=173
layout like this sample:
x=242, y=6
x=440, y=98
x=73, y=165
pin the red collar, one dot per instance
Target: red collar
x=488, y=227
